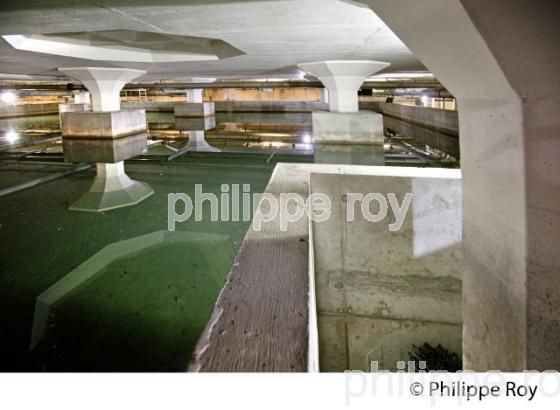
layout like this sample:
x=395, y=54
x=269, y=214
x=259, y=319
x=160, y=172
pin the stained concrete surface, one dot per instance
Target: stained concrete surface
x=379, y=292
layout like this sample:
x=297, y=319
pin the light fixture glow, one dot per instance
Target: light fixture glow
x=11, y=136
x=8, y=97
x=306, y=138
x=424, y=99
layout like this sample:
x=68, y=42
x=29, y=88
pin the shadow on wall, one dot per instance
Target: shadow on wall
x=381, y=292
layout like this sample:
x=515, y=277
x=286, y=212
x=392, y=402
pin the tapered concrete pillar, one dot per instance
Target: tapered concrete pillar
x=107, y=136
x=111, y=189
x=343, y=78
x=195, y=106
x=344, y=124
x=198, y=143
x=103, y=83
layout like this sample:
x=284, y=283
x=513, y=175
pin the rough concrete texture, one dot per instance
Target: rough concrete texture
x=261, y=320
x=272, y=45
x=110, y=124
x=506, y=83
x=103, y=149
x=203, y=109
x=363, y=127
x=75, y=107
x=379, y=292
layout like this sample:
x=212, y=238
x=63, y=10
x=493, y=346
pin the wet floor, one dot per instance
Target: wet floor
x=144, y=311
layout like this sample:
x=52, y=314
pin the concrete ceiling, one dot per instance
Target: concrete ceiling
x=274, y=35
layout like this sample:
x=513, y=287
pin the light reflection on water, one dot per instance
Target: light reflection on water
x=265, y=133
x=95, y=316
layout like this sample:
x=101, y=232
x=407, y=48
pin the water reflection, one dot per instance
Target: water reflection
x=286, y=134
x=349, y=154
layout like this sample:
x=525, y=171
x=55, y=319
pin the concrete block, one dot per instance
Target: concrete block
x=363, y=127
x=195, y=123
x=104, y=150
x=103, y=124
x=204, y=109
x=75, y=107
x=348, y=154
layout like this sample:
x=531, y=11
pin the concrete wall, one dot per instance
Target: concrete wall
x=440, y=120
x=375, y=290
x=379, y=292
x=435, y=139
x=155, y=106
x=270, y=106
x=29, y=109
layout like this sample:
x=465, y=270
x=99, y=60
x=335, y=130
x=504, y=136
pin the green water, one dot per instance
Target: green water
x=147, y=311
x=144, y=312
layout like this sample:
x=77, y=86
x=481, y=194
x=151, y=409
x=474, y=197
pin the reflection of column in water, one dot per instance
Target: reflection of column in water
x=198, y=143
x=349, y=154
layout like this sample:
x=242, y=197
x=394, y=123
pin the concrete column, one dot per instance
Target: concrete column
x=507, y=85
x=344, y=124
x=343, y=78
x=324, y=96
x=198, y=143
x=111, y=189
x=103, y=83
x=194, y=95
x=106, y=136
x=82, y=97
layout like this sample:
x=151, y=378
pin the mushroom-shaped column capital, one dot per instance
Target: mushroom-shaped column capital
x=104, y=83
x=343, y=78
